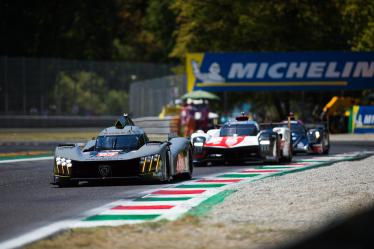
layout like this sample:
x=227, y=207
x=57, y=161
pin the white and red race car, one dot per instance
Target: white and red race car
x=240, y=141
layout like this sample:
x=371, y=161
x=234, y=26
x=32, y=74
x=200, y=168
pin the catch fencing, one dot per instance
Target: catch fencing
x=148, y=97
x=153, y=126
x=27, y=84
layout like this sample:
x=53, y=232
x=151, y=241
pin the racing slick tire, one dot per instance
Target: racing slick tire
x=288, y=158
x=326, y=151
x=166, y=177
x=277, y=152
x=188, y=175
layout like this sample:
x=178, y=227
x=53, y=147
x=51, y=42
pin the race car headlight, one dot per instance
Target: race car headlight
x=63, y=166
x=150, y=163
x=63, y=162
x=198, y=141
x=317, y=134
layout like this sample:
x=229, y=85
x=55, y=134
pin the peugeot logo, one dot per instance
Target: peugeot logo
x=104, y=170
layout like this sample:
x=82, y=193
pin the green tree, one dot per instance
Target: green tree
x=295, y=25
x=146, y=30
x=242, y=25
x=80, y=93
x=82, y=29
x=116, y=102
x=358, y=24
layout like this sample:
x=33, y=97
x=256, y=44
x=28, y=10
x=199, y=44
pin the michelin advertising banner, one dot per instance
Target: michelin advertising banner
x=362, y=119
x=280, y=71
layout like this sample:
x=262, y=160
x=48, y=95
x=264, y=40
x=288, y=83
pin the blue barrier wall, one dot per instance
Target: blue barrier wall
x=362, y=119
x=280, y=71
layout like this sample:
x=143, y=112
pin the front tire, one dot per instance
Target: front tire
x=326, y=151
x=188, y=175
x=326, y=148
x=166, y=169
x=288, y=159
x=276, y=152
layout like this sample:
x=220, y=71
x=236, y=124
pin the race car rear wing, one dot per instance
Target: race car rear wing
x=321, y=125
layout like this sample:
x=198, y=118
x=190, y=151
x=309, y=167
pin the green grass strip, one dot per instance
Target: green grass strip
x=163, y=199
x=238, y=175
x=23, y=157
x=200, y=185
x=209, y=203
x=122, y=217
x=318, y=165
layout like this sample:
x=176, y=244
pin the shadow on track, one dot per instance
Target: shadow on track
x=119, y=182
x=355, y=231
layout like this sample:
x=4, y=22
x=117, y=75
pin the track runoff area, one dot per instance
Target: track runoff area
x=193, y=197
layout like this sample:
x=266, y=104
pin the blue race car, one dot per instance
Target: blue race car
x=314, y=138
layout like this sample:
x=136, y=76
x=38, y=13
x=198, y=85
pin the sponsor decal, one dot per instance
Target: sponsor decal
x=279, y=71
x=362, y=119
x=105, y=170
x=226, y=142
x=107, y=154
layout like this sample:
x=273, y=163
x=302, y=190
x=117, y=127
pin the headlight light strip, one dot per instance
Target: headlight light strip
x=153, y=160
x=62, y=164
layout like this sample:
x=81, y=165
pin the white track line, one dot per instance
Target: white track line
x=26, y=159
x=37, y=234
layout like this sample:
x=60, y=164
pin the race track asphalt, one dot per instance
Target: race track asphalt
x=28, y=200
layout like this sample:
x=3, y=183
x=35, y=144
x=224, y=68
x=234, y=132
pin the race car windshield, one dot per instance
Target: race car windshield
x=296, y=128
x=240, y=130
x=124, y=142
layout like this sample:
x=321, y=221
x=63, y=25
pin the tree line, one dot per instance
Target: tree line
x=163, y=31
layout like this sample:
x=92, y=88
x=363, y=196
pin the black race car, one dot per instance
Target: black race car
x=121, y=152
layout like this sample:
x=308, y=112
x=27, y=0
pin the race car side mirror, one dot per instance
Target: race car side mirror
x=168, y=143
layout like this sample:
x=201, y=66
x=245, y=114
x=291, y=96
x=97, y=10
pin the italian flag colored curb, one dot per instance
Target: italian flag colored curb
x=198, y=196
